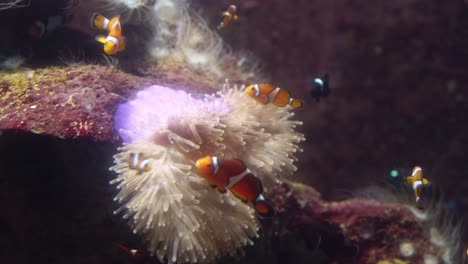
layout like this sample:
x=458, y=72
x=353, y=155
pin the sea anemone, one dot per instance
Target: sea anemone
x=184, y=37
x=135, y=11
x=11, y=4
x=175, y=210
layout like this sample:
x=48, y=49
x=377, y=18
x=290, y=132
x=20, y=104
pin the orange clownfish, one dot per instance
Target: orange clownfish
x=136, y=161
x=228, y=16
x=232, y=174
x=268, y=93
x=417, y=181
x=114, y=42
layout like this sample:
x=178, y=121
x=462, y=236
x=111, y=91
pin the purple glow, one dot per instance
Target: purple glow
x=153, y=106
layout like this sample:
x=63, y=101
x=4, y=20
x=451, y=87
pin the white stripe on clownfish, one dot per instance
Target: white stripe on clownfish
x=113, y=39
x=214, y=160
x=416, y=170
x=416, y=184
x=235, y=179
x=273, y=94
x=105, y=23
x=257, y=90
x=136, y=159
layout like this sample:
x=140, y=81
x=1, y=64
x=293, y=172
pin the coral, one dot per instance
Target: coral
x=385, y=232
x=442, y=228
x=174, y=209
x=78, y=100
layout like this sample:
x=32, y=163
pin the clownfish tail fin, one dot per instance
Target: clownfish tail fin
x=263, y=208
x=296, y=103
x=419, y=204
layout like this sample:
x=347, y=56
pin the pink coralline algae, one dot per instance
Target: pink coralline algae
x=371, y=231
x=77, y=101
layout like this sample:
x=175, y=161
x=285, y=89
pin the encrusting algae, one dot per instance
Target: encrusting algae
x=176, y=211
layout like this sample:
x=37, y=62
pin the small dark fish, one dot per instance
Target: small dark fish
x=320, y=87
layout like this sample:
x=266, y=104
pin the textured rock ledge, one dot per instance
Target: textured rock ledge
x=373, y=231
x=79, y=100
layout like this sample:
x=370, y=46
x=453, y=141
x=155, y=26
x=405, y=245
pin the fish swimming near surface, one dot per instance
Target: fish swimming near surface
x=228, y=16
x=136, y=161
x=417, y=181
x=320, y=87
x=267, y=93
x=234, y=175
x=114, y=42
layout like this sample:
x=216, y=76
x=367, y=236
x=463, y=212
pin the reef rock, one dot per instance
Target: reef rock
x=79, y=100
x=355, y=230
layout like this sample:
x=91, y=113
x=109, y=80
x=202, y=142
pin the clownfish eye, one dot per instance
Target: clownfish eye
x=209, y=165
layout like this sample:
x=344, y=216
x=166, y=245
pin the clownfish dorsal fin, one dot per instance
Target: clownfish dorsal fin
x=101, y=38
x=241, y=163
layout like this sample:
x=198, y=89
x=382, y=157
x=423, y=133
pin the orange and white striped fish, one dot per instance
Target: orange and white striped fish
x=417, y=181
x=232, y=174
x=228, y=16
x=114, y=42
x=136, y=161
x=268, y=93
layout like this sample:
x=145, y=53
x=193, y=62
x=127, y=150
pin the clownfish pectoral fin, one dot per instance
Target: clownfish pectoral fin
x=221, y=189
x=101, y=38
x=425, y=181
x=409, y=179
x=123, y=44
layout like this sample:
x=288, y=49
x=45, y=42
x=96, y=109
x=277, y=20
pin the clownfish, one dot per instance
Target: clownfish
x=136, y=253
x=114, y=42
x=417, y=181
x=267, y=93
x=232, y=174
x=136, y=161
x=228, y=16
x=320, y=87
